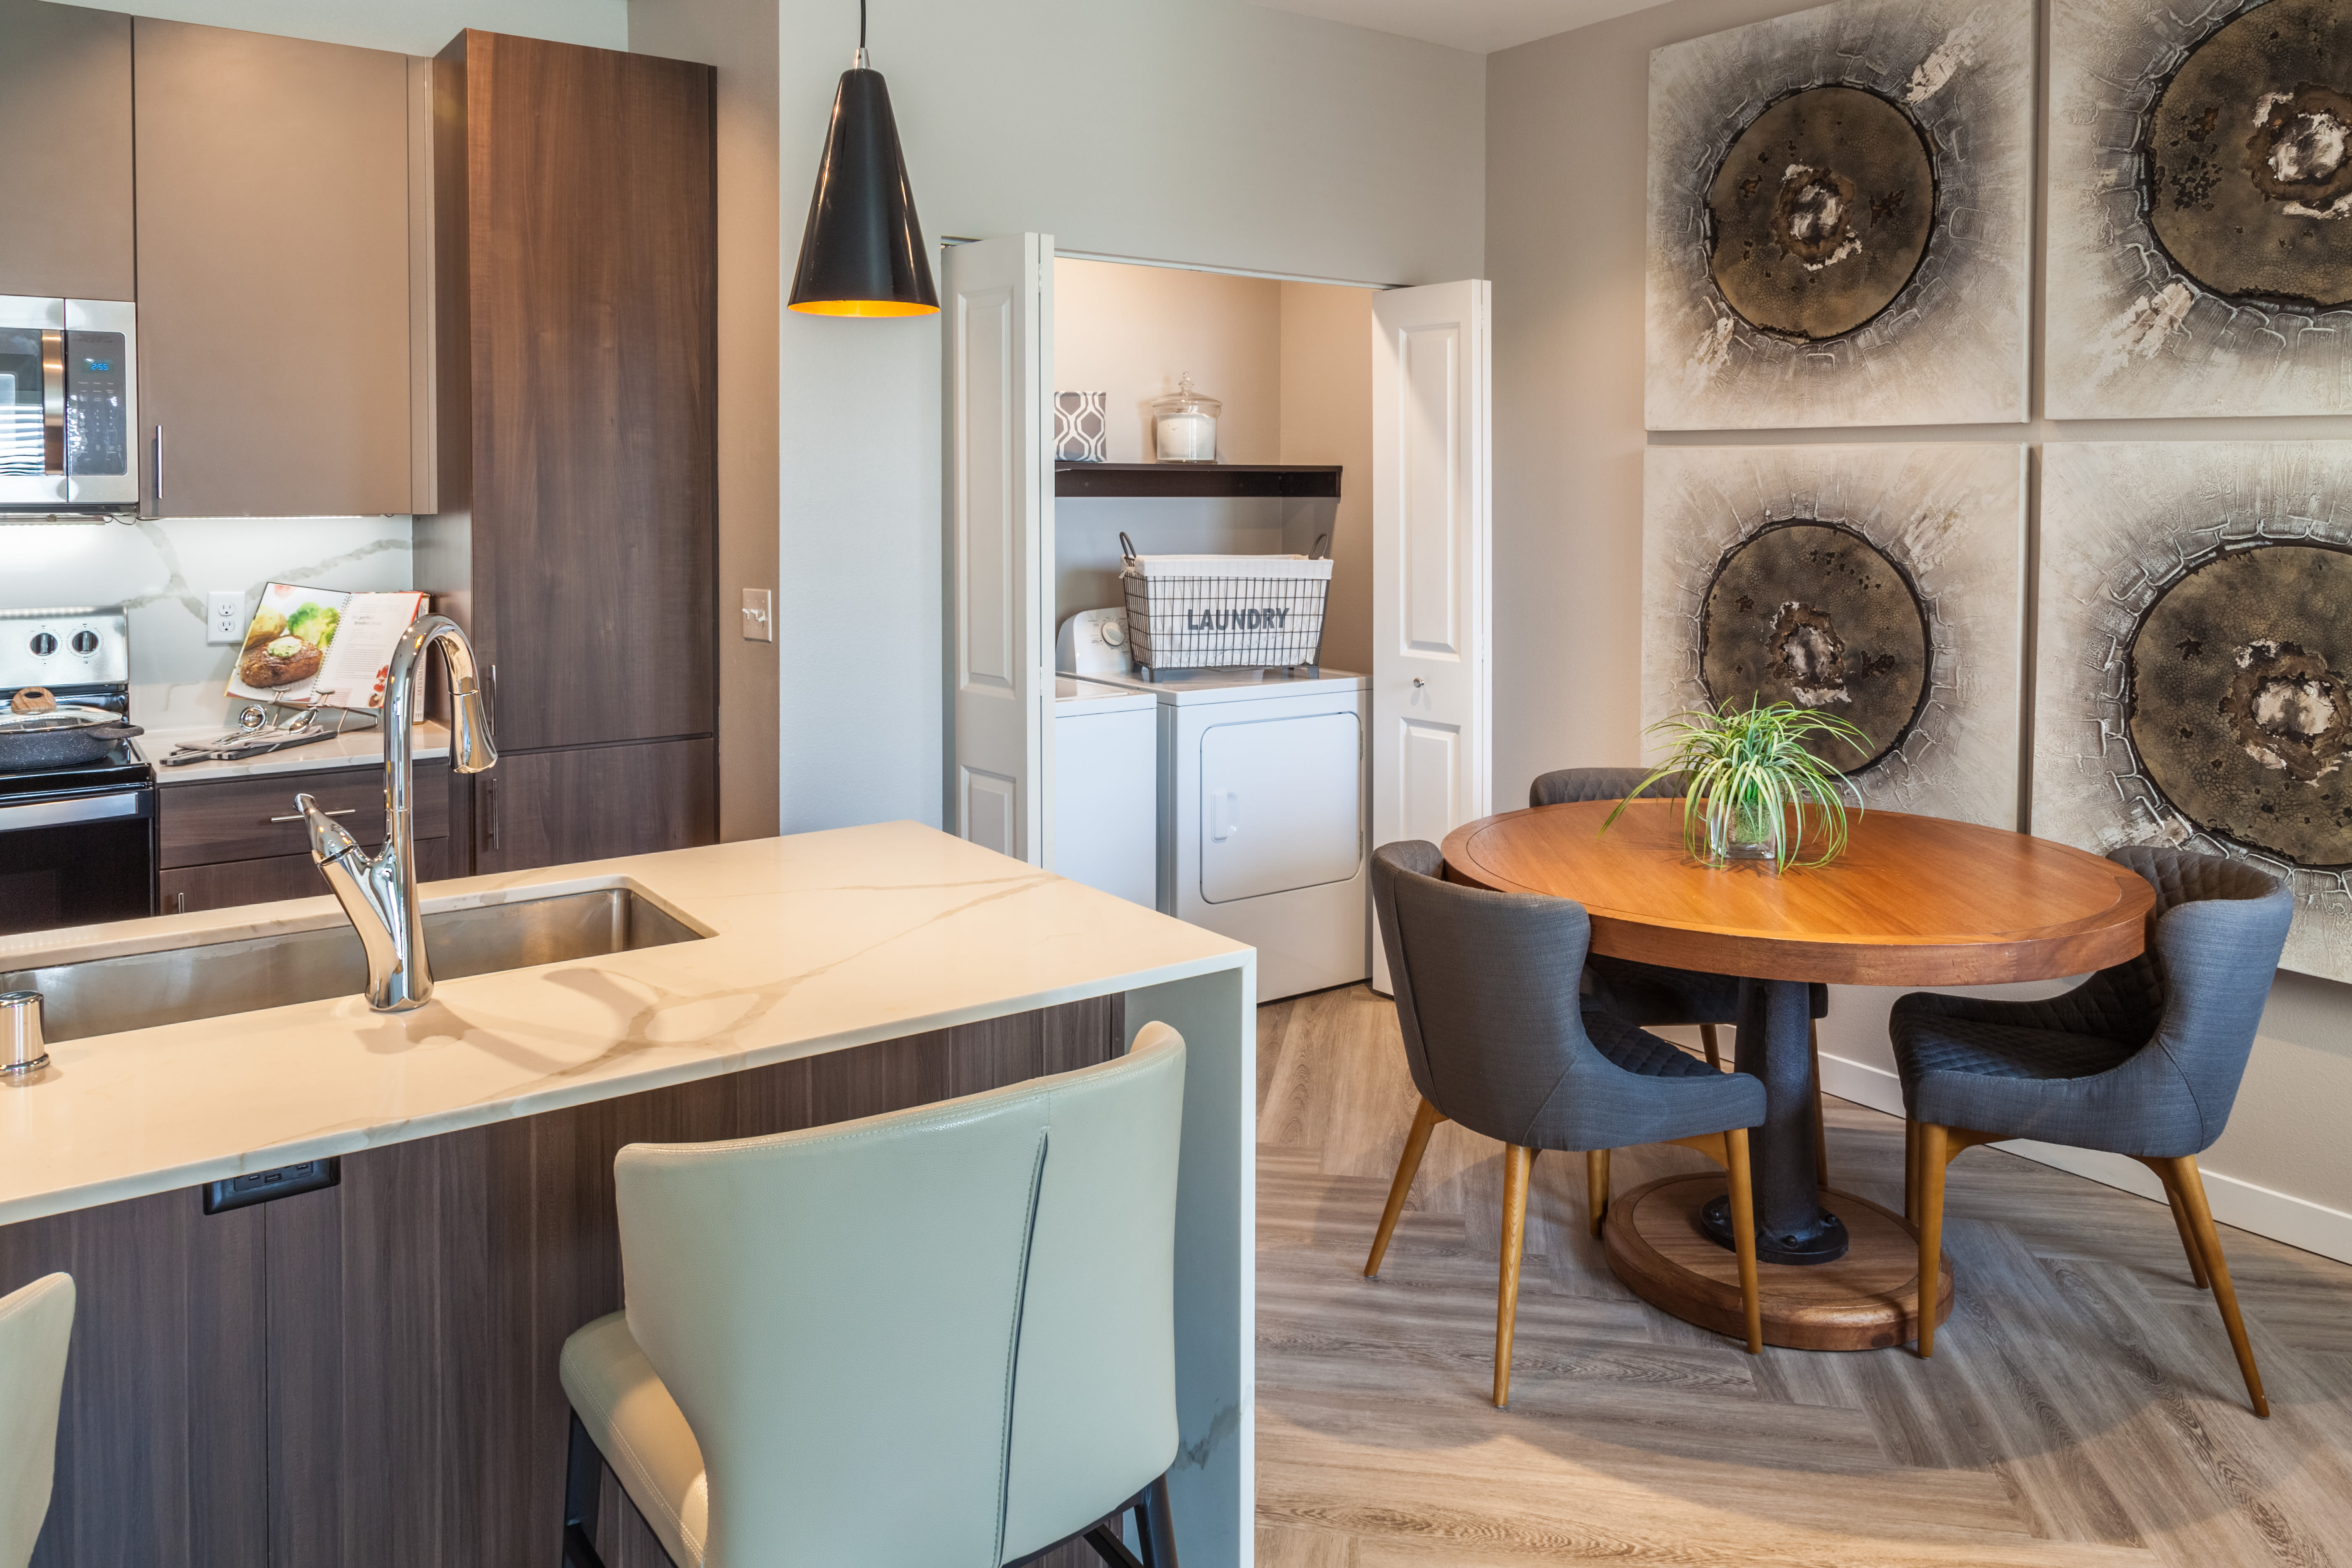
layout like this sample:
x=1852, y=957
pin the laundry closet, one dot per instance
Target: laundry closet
x=1352, y=423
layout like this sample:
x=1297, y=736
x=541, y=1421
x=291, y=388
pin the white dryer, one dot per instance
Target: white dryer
x=1263, y=817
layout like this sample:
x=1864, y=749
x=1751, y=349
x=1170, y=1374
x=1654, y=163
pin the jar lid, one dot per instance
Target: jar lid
x=1184, y=400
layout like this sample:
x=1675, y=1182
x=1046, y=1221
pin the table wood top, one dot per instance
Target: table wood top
x=1914, y=900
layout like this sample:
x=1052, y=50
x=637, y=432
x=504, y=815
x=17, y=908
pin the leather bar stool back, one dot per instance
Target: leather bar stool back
x=941, y=1335
x=34, y=1325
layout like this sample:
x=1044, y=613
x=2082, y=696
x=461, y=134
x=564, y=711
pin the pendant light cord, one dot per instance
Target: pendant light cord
x=857, y=60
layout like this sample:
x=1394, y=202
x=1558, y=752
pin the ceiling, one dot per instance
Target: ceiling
x=1478, y=25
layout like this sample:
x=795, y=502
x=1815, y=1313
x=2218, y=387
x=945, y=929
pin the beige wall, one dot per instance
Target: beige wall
x=1292, y=364
x=739, y=36
x=1565, y=131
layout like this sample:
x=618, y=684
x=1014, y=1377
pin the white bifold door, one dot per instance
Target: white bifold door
x=999, y=310
x=1432, y=701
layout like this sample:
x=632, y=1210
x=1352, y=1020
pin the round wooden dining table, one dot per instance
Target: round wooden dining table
x=1912, y=901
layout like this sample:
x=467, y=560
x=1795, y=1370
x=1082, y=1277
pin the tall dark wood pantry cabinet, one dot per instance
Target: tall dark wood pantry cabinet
x=574, y=439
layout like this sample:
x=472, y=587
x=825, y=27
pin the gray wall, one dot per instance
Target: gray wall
x=1212, y=132
x=1565, y=169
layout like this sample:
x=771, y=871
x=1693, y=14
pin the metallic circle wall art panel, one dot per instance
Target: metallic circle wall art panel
x=2200, y=208
x=1882, y=584
x=2195, y=639
x=1814, y=614
x=1839, y=218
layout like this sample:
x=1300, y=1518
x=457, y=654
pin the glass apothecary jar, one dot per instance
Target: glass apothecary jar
x=1184, y=426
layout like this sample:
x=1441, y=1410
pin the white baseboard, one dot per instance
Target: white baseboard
x=2298, y=1222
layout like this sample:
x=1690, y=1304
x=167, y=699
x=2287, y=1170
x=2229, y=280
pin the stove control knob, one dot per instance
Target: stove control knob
x=44, y=643
x=85, y=642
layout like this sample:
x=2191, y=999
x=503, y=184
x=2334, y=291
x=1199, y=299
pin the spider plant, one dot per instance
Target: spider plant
x=1751, y=788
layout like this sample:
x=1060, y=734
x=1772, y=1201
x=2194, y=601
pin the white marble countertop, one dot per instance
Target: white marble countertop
x=817, y=943
x=359, y=746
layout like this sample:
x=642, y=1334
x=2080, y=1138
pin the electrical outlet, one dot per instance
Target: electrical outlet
x=224, y=617
x=758, y=614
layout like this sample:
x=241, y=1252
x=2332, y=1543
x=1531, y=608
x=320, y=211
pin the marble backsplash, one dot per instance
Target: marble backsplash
x=162, y=570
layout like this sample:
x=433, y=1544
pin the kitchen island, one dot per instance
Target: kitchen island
x=367, y=1372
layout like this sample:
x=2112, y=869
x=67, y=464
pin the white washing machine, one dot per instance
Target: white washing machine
x=1263, y=812
x=1106, y=789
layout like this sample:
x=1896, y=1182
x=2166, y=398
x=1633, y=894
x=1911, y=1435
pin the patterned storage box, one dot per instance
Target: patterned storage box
x=1081, y=426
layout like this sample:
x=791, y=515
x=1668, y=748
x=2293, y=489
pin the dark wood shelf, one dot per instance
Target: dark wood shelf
x=1193, y=480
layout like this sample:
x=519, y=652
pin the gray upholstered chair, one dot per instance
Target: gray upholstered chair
x=1652, y=996
x=2142, y=1059
x=35, y=1324
x=1499, y=1038
x=941, y=1335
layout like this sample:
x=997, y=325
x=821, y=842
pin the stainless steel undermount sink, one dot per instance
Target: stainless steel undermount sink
x=208, y=979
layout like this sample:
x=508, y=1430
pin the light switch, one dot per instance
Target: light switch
x=224, y=617
x=758, y=614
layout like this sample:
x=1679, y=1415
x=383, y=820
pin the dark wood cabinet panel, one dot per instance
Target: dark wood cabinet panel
x=202, y=824
x=550, y=808
x=366, y=1375
x=186, y=889
x=273, y=273
x=65, y=183
x=589, y=375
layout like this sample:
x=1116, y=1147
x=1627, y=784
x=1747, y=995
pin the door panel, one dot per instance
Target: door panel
x=1431, y=682
x=1280, y=806
x=592, y=253
x=65, y=182
x=273, y=274
x=999, y=324
x=551, y=808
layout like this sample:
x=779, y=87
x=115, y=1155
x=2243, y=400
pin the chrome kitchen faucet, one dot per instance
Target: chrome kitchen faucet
x=379, y=893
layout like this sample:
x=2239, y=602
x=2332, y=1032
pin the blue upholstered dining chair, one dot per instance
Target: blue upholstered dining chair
x=1499, y=1038
x=941, y=1335
x=1652, y=995
x=2141, y=1059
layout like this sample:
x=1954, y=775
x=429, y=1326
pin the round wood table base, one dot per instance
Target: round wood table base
x=1865, y=1300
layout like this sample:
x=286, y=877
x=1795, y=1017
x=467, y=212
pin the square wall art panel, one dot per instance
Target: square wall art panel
x=1885, y=584
x=2200, y=208
x=1839, y=212
x=2194, y=626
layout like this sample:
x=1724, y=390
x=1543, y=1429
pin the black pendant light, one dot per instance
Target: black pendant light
x=863, y=252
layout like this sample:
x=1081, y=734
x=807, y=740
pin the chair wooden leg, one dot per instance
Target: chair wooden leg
x=1933, y=1158
x=1516, y=1161
x=1417, y=1142
x=2188, y=1235
x=1596, y=1185
x=583, y=1473
x=2225, y=1295
x=1714, y=1051
x=1910, y=1170
x=1743, y=1234
x=1820, y=1116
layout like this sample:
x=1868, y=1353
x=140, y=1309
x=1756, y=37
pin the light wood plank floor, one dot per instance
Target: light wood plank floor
x=2082, y=1408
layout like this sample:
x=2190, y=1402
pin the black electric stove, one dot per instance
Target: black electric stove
x=77, y=844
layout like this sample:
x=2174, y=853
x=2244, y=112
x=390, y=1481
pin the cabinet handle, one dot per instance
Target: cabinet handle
x=490, y=809
x=298, y=817
x=159, y=462
x=179, y=903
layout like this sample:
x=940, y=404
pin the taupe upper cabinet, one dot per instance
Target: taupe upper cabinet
x=65, y=180
x=273, y=274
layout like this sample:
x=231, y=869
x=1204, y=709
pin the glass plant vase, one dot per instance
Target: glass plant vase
x=1748, y=831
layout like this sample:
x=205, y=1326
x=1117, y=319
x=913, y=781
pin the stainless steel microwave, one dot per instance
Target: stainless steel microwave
x=68, y=402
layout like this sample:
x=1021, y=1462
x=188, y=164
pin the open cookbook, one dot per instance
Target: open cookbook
x=321, y=646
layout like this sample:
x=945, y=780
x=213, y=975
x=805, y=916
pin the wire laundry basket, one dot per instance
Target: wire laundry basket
x=1224, y=612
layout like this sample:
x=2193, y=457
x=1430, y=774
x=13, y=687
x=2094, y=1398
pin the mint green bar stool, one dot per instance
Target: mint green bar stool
x=945, y=1335
x=36, y=1323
